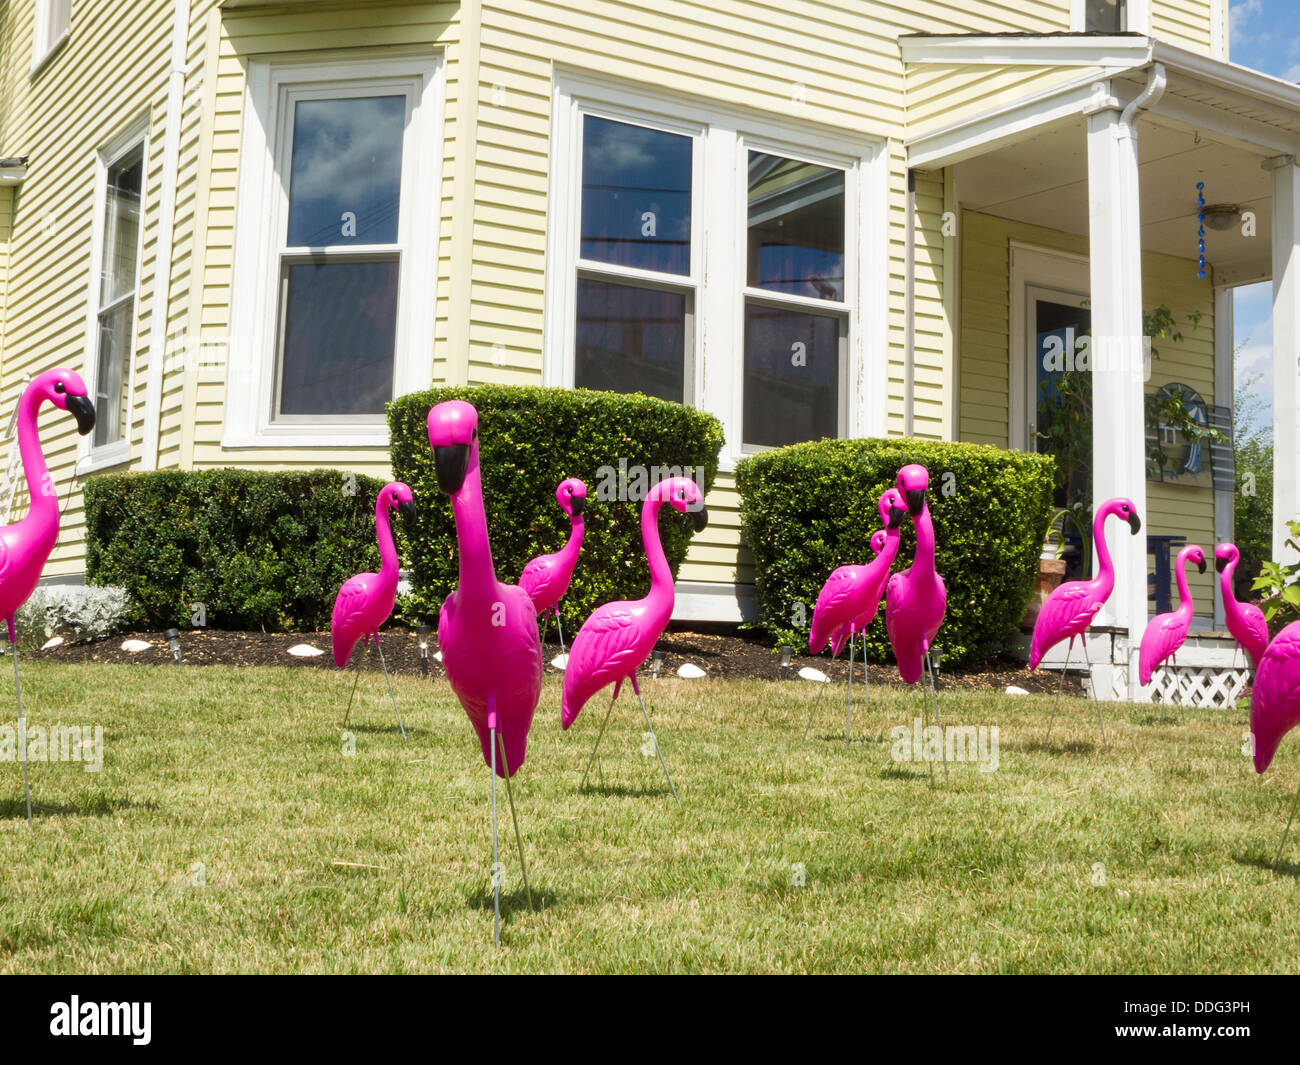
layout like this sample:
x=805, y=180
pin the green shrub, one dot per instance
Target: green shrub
x=1253, y=513
x=530, y=439
x=258, y=550
x=809, y=508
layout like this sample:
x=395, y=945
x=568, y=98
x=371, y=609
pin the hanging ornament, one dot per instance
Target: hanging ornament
x=1200, y=231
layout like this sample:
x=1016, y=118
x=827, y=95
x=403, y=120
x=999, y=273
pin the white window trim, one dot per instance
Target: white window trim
x=44, y=46
x=1137, y=16
x=261, y=203
x=92, y=458
x=725, y=136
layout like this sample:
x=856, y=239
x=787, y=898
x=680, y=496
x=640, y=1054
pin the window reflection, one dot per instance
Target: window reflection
x=796, y=227
x=631, y=339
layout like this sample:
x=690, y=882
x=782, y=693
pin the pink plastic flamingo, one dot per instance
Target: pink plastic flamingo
x=1275, y=703
x=850, y=598
x=26, y=545
x=616, y=639
x=1245, y=620
x=1069, y=610
x=1165, y=633
x=546, y=578
x=487, y=630
x=366, y=600
x=916, y=599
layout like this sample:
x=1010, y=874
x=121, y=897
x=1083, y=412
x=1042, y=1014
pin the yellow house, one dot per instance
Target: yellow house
x=250, y=224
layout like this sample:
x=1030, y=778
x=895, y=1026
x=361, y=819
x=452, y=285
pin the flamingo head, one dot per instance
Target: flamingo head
x=572, y=496
x=67, y=391
x=913, y=480
x=397, y=494
x=1192, y=553
x=1224, y=555
x=1126, y=509
x=453, y=434
x=684, y=495
x=893, y=509
x=878, y=541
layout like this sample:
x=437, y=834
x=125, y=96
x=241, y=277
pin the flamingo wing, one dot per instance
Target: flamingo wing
x=1164, y=634
x=1275, y=697
x=605, y=650
x=536, y=580
x=1255, y=629
x=1068, y=612
x=347, y=623
x=834, y=605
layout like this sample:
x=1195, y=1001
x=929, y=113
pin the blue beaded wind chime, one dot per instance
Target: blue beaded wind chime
x=1200, y=231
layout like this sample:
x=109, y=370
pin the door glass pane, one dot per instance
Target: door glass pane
x=339, y=334
x=796, y=227
x=121, y=226
x=791, y=376
x=631, y=340
x=1064, y=397
x=113, y=373
x=346, y=173
x=636, y=196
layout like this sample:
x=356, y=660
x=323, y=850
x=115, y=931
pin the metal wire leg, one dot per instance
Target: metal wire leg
x=1092, y=684
x=848, y=705
x=934, y=694
x=519, y=840
x=365, y=645
x=655, y=740
x=1069, y=650
x=496, y=866
x=22, y=734
x=596, y=746
x=1294, y=803
x=559, y=629
x=390, y=687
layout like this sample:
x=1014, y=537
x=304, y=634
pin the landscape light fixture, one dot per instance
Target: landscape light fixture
x=656, y=663
x=786, y=653
x=424, y=631
x=173, y=638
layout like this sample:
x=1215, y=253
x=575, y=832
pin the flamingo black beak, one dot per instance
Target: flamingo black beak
x=406, y=509
x=1201, y=565
x=915, y=501
x=700, y=518
x=1220, y=564
x=451, y=464
x=896, y=516
x=576, y=503
x=84, y=411
x=1135, y=523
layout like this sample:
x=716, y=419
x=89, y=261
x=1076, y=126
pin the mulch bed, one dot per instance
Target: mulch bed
x=722, y=655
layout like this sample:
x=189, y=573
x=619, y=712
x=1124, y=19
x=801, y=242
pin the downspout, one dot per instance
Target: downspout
x=1148, y=97
x=909, y=301
x=162, y=272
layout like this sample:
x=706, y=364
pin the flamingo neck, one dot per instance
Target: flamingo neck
x=893, y=537
x=384, y=534
x=569, y=552
x=1105, y=579
x=1225, y=585
x=1184, y=592
x=661, y=577
x=923, y=560
x=44, y=504
x=477, y=574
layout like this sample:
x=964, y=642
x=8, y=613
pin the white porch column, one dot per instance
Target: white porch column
x=1118, y=437
x=1224, y=502
x=1286, y=350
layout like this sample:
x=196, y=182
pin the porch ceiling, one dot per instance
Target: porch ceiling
x=1043, y=181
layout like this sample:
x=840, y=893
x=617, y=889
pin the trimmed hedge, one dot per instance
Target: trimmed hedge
x=530, y=439
x=809, y=508
x=259, y=550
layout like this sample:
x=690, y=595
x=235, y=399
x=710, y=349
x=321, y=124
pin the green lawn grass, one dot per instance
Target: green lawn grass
x=213, y=837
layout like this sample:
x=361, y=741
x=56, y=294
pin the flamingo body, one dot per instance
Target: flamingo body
x=366, y=600
x=1275, y=698
x=1069, y=610
x=487, y=630
x=850, y=598
x=26, y=545
x=1165, y=633
x=546, y=578
x=619, y=636
x=1245, y=620
x=916, y=599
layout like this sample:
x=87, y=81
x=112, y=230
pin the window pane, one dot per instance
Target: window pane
x=636, y=196
x=121, y=226
x=1104, y=15
x=346, y=173
x=791, y=376
x=796, y=227
x=340, y=332
x=631, y=340
x=113, y=373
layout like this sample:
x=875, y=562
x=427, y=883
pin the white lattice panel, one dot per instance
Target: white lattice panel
x=1192, y=686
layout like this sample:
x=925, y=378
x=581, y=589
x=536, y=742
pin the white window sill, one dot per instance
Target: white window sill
x=339, y=436
x=103, y=458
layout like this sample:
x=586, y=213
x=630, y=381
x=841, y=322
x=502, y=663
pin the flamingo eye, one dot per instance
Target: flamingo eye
x=60, y=387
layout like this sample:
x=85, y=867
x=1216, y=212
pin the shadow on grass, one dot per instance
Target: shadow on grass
x=627, y=790
x=1072, y=747
x=386, y=730
x=92, y=806
x=515, y=901
x=1259, y=861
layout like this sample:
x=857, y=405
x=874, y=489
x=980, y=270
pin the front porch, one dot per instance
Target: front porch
x=1071, y=219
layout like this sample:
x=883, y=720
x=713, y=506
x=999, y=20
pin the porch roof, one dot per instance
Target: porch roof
x=1026, y=158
